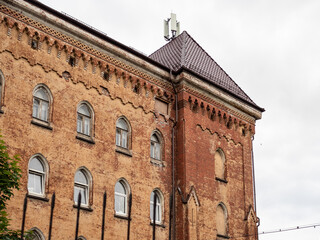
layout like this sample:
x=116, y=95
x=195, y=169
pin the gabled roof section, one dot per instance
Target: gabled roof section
x=184, y=52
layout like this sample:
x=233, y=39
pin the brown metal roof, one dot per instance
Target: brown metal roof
x=184, y=52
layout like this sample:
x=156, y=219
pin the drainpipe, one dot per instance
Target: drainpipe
x=253, y=176
x=173, y=223
x=254, y=187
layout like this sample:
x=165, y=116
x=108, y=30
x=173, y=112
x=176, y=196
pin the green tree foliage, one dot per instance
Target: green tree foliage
x=10, y=175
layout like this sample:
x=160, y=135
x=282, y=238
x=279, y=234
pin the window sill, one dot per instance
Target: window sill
x=85, y=138
x=222, y=236
x=85, y=208
x=157, y=162
x=221, y=180
x=158, y=224
x=38, y=197
x=121, y=217
x=124, y=151
x=41, y=123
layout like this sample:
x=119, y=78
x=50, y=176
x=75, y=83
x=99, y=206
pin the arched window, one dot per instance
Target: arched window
x=220, y=169
x=222, y=220
x=1, y=88
x=122, y=133
x=84, y=119
x=82, y=185
x=81, y=238
x=41, y=103
x=156, y=195
x=155, y=146
x=37, y=175
x=36, y=234
x=121, y=193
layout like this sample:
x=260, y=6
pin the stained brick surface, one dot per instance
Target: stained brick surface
x=204, y=124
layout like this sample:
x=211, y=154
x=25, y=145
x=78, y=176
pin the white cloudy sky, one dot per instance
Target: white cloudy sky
x=271, y=48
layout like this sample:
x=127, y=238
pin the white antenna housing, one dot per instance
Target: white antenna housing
x=178, y=28
x=175, y=27
x=173, y=22
x=166, y=29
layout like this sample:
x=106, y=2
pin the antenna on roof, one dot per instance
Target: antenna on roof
x=175, y=27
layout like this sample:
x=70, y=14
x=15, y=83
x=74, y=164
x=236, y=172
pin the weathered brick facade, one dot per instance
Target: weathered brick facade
x=37, y=48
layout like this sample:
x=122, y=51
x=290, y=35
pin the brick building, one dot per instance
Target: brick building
x=167, y=137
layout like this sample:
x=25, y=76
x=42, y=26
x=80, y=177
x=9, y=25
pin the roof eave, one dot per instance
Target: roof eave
x=183, y=68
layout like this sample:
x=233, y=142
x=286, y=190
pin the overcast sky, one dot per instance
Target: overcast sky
x=271, y=49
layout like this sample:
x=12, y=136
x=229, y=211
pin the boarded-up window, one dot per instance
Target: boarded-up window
x=220, y=164
x=161, y=106
x=221, y=220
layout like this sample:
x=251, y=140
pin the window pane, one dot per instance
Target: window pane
x=80, y=177
x=0, y=90
x=157, y=151
x=35, y=183
x=122, y=124
x=86, y=126
x=118, y=137
x=35, y=164
x=44, y=111
x=35, y=111
x=83, y=192
x=158, y=213
x=120, y=204
x=151, y=210
x=124, y=139
x=158, y=207
x=41, y=93
x=154, y=138
x=152, y=150
x=79, y=124
x=84, y=109
x=119, y=188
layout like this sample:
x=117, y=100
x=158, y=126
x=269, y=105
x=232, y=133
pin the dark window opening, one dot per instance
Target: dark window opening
x=72, y=61
x=105, y=76
x=34, y=44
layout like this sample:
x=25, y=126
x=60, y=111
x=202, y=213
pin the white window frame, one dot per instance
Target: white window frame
x=2, y=82
x=123, y=134
x=86, y=187
x=43, y=175
x=159, y=206
x=125, y=185
x=154, y=145
x=84, y=118
x=39, y=115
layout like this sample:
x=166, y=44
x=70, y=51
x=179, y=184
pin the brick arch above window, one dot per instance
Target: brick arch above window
x=85, y=122
x=222, y=221
x=123, y=136
x=42, y=101
x=156, y=147
x=220, y=165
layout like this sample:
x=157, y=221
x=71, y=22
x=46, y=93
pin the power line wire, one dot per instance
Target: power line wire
x=290, y=229
x=278, y=230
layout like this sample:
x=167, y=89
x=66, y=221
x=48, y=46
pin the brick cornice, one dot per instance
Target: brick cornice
x=71, y=44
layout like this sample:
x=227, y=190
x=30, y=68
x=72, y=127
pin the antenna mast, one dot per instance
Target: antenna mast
x=175, y=27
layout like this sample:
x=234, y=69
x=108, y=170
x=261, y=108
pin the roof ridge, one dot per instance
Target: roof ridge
x=183, y=52
x=184, y=46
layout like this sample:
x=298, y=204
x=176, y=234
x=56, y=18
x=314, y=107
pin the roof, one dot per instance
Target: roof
x=184, y=53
